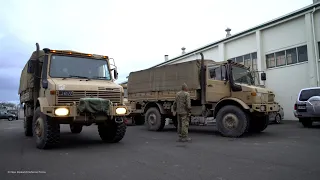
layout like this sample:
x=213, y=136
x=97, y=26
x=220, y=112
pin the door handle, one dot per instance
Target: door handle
x=209, y=85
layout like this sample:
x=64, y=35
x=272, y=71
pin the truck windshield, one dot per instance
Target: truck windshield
x=242, y=75
x=78, y=67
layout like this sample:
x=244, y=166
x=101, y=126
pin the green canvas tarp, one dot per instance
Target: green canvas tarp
x=94, y=105
x=166, y=78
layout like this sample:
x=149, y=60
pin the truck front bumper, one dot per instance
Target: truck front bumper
x=72, y=111
x=265, y=108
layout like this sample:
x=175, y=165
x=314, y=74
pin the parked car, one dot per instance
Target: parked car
x=276, y=117
x=307, y=106
x=6, y=115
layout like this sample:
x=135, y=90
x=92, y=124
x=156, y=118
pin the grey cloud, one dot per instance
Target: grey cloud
x=8, y=95
x=13, y=56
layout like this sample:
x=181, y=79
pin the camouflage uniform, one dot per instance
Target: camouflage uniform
x=182, y=106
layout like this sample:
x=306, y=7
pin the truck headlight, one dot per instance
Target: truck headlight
x=262, y=108
x=61, y=111
x=121, y=110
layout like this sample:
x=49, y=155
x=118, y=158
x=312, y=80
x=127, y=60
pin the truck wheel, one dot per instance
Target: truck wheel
x=76, y=128
x=10, y=118
x=46, y=131
x=27, y=124
x=112, y=132
x=154, y=120
x=232, y=121
x=306, y=122
x=278, y=119
x=259, y=124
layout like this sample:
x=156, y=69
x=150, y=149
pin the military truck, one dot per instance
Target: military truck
x=69, y=87
x=222, y=93
x=136, y=119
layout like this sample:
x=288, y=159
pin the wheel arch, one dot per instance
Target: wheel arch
x=41, y=102
x=230, y=101
x=154, y=104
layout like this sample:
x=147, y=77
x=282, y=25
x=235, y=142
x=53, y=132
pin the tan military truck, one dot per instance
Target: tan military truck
x=135, y=119
x=68, y=87
x=223, y=92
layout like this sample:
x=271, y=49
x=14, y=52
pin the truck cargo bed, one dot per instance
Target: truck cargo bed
x=26, y=85
x=166, y=78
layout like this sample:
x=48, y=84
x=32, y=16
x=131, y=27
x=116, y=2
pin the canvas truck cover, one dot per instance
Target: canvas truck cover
x=94, y=105
x=26, y=79
x=166, y=78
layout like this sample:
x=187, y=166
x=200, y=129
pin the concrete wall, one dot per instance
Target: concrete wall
x=241, y=46
x=284, y=35
x=286, y=83
x=317, y=24
x=212, y=53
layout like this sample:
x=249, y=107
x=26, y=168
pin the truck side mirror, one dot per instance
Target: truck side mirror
x=115, y=74
x=30, y=67
x=263, y=76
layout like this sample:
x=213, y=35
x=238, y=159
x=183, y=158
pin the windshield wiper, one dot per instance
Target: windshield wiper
x=76, y=77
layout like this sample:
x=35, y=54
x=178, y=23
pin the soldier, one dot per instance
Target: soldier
x=182, y=107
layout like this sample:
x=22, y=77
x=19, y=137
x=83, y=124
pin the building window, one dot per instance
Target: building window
x=247, y=60
x=280, y=58
x=270, y=60
x=319, y=49
x=302, y=54
x=287, y=57
x=239, y=59
x=254, y=61
x=291, y=55
x=233, y=59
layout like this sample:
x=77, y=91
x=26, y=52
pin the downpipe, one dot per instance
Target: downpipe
x=315, y=44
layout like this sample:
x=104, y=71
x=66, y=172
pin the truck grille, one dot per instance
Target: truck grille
x=113, y=96
x=270, y=97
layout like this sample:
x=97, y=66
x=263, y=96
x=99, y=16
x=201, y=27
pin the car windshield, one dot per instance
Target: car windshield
x=308, y=93
x=78, y=67
x=242, y=75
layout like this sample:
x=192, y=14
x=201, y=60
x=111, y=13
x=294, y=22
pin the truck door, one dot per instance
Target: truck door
x=216, y=87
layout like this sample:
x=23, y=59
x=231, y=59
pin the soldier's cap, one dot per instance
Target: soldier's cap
x=184, y=86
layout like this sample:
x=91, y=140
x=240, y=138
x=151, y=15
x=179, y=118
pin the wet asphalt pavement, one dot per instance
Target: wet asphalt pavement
x=283, y=152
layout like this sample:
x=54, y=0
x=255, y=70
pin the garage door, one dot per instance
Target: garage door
x=286, y=82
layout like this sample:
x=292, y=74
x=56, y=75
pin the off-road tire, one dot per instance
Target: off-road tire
x=50, y=131
x=306, y=122
x=112, y=132
x=258, y=124
x=27, y=125
x=138, y=120
x=242, y=117
x=159, y=119
x=76, y=128
x=278, y=117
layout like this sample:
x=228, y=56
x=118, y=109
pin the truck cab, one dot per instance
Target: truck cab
x=69, y=87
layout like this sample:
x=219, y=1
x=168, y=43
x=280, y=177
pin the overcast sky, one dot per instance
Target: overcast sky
x=136, y=33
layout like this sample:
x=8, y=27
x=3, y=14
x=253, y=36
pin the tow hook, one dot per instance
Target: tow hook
x=118, y=120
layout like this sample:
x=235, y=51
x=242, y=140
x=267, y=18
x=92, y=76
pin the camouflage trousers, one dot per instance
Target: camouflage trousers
x=183, y=125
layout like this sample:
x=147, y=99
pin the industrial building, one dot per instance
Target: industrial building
x=286, y=48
